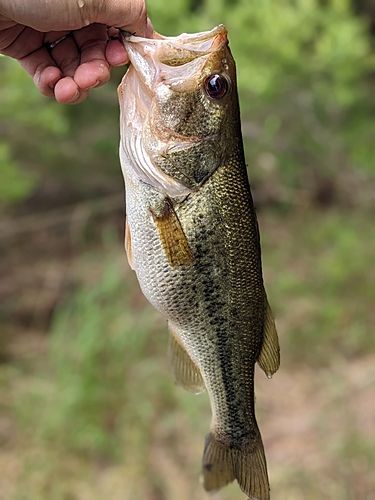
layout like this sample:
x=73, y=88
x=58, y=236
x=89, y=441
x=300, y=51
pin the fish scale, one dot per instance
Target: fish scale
x=193, y=240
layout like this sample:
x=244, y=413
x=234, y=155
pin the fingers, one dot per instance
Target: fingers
x=82, y=60
x=149, y=29
x=47, y=67
x=51, y=82
x=45, y=79
x=94, y=69
x=66, y=55
x=85, y=68
x=71, y=67
x=42, y=68
x=115, y=53
x=66, y=91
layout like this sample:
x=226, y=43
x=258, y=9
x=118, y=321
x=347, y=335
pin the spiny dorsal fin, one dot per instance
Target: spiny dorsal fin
x=128, y=244
x=185, y=371
x=172, y=236
x=269, y=357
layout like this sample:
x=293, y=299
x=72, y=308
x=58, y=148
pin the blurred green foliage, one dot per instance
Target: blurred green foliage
x=100, y=402
x=94, y=343
x=283, y=44
x=15, y=184
x=328, y=287
x=102, y=397
x=45, y=140
x=303, y=74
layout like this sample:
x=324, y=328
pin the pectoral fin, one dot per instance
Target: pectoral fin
x=128, y=244
x=185, y=371
x=269, y=357
x=172, y=236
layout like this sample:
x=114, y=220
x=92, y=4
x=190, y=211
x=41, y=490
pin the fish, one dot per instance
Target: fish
x=192, y=237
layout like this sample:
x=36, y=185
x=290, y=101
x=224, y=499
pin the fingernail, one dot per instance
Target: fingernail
x=93, y=86
x=76, y=96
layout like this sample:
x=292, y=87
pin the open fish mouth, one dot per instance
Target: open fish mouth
x=167, y=62
x=156, y=59
x=162, y=69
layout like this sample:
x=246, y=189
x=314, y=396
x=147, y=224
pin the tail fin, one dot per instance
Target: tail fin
x=223, y=463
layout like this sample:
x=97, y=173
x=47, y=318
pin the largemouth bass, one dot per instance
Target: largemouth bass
x=192, y=237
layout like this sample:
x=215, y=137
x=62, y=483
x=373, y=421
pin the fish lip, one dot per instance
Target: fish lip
x=127, y=36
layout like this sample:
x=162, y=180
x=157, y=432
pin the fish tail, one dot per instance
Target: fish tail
x=223, y=463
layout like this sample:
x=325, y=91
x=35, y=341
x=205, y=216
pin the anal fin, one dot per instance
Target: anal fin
x=185, y=371
x=172, y=236
x=269, y=357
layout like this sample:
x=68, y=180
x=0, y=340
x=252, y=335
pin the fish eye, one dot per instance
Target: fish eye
x=216, y=86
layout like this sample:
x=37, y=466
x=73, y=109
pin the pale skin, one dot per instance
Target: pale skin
x=83, y=59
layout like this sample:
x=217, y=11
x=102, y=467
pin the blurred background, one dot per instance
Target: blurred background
x=88, y=409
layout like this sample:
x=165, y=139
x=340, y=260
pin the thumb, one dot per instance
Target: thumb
x=129, y=15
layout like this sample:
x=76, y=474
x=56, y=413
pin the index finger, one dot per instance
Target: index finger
x=93, y=70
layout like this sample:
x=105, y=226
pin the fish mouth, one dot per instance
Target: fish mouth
x=159, y=66
x=158, y=59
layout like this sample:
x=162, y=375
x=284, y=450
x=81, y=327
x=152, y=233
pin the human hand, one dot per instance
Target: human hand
x=84, y=52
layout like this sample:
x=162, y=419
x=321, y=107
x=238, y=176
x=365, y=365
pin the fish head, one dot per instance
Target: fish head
x=179, y=106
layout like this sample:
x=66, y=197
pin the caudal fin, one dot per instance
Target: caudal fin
x=223, y=463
